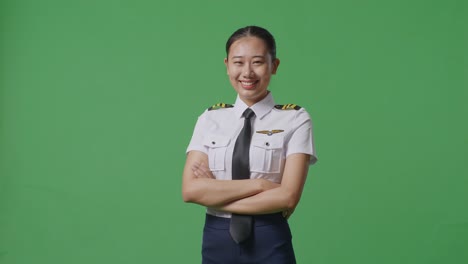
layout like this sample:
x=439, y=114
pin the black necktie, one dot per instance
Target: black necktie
x=241, y=225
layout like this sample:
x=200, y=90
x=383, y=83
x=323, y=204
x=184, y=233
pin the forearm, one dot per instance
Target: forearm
x=271, y=201
x=213, y=193
x=282, y=199
x=200, y=186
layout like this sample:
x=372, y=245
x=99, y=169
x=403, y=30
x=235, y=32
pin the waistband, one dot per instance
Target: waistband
x=258, y=220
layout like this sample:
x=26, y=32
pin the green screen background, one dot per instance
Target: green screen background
x=98, y=100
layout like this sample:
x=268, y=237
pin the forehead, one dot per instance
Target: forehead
x=248, y=46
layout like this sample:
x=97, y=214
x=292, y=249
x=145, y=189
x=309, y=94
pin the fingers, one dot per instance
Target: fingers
x=196, y=169
x=287, y=213
x=201, y=170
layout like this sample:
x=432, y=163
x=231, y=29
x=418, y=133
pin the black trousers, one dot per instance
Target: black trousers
x=270, y=242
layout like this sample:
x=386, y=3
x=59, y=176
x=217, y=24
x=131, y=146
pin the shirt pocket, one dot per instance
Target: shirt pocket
x=217, y=146
x=266, y=154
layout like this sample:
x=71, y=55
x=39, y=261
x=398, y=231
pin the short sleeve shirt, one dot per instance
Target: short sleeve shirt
x=277, y=133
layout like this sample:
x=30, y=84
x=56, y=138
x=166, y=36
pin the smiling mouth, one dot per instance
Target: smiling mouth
x=248, y=84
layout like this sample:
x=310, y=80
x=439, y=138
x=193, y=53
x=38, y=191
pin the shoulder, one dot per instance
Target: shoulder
x=219, y=106
x=217, y=112
x=292, y=111
x=288, y=107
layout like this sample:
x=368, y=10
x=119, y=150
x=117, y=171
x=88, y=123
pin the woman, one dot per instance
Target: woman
x=248, y=162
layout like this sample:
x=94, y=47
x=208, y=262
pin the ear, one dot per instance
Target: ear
x=276, y=64
x=226, y=63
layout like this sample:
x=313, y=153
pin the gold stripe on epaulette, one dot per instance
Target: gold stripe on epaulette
x=220, y=106
x=288, y=107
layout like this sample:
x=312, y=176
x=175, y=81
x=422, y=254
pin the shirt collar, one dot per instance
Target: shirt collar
x=260, y=108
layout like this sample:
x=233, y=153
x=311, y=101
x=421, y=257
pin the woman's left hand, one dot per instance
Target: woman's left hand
x=201, y=170
x=288, y=213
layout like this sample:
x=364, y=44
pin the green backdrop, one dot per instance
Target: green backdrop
x=98, y=100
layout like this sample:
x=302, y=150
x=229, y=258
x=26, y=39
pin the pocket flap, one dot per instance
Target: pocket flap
x=268, y=142
x=215, y=141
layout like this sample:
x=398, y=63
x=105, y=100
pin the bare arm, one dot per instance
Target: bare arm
x=283, y=199
x=210, y=192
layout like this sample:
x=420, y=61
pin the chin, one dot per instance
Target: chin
x=251, y=95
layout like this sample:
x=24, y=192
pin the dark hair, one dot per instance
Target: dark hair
x=254, y=31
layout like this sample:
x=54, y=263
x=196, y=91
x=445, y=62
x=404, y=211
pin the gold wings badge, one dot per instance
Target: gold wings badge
x=270, y=132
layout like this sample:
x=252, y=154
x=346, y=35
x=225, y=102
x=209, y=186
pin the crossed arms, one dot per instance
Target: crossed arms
x=252, y=196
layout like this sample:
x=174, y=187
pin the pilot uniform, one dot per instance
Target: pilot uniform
x=277, y=132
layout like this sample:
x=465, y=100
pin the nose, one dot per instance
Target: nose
x=248, y=71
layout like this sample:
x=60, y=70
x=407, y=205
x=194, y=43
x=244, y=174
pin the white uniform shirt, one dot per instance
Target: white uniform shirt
x=277, y=134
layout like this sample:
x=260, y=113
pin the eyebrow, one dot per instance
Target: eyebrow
x=256, y=56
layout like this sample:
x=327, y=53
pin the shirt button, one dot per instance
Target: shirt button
x=267, y=144
x=212, y=142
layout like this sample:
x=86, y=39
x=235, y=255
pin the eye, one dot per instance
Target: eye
x=258, y=62
x=237, y=62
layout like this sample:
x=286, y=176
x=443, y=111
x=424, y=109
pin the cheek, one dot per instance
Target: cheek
x=233, y=75
x=264, y=74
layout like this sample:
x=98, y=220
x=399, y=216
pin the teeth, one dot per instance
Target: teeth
x=247, y=83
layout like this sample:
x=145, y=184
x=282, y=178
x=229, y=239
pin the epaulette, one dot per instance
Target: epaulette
x=220, y=106
x=288, y=107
